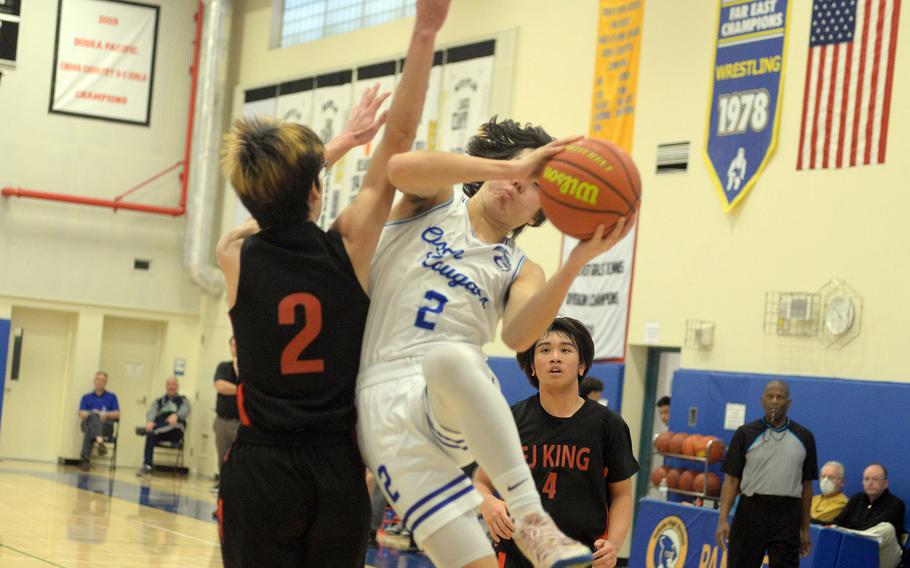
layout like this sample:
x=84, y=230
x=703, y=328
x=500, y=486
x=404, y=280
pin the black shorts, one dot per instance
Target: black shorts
x=293, y=506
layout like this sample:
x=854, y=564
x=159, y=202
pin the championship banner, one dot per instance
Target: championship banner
x=104, y=60
x=295, y=101
x=468, y=82
x=428, y=130
x=357, y=161
x=331, y=106
x=599, y=296
x=748, y=74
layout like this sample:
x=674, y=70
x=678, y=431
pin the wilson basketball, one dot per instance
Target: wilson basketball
x=591, y=182
x=713, y=489
x=658, y=475
x=688, y=447
x=686, y=480
x=662, y=443
x=676, y=443
x=673, y=478
x=717, y=448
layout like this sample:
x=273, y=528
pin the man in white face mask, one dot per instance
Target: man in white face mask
x=827, y=506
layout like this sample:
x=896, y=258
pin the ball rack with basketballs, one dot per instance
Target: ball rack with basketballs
x=699, y=483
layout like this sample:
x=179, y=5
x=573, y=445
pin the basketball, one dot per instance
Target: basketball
x=673, y=478
x=658, y=475
x=676, y=443
x=713, y=484
x=662, y=443
x=591, y=182
x=688, y=447
x=717, y=449
x=686, y=480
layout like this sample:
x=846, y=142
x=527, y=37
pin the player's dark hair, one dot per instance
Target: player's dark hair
x=574, y=331
x=663, y=401
x=589, y=385
x=503, y=140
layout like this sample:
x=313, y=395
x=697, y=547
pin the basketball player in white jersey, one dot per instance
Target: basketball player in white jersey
x=446, y=271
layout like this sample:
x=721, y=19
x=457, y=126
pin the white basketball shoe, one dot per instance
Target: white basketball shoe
x=541, y=541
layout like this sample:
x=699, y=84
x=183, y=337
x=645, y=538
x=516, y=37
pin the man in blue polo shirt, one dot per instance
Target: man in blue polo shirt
x=97, y=410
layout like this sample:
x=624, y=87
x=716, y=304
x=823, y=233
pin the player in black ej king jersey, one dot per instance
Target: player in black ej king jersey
x=579, y=452
x=293, y=490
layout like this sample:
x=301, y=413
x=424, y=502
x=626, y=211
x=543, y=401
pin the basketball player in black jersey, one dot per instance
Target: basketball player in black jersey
x=293, y=491
x=579, y=452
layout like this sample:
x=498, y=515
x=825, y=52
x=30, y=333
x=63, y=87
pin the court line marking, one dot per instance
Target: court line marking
x=178, y=533
x=45, y=560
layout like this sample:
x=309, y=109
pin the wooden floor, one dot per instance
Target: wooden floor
x=59, y=516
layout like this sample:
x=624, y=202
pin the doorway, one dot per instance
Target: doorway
x=130, y=351
x=662, y=363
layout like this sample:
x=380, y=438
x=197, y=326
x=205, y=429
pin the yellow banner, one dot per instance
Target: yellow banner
x=616, y=71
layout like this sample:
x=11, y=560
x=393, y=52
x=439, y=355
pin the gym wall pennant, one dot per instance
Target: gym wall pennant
x=748, y=71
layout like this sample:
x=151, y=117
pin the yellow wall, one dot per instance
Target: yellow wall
x=75, y=253
x=794, y=231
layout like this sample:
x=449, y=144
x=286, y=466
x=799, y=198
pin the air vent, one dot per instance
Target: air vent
x=141, y=264
x=672, y=158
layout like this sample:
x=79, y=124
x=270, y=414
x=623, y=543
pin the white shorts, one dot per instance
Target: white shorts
x=417, y=462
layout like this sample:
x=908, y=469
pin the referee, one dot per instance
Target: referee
x=772, y=463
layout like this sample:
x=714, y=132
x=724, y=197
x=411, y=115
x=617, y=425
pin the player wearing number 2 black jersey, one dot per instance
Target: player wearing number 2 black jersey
x=293, y=491
x=447, y=270
x=579, y=452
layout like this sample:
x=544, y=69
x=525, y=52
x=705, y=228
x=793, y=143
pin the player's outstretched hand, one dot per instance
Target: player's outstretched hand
x=496, y=515
x=364, y=124
x=600, y=242
x=529, y=168
x=604, y=554
x=431, y=14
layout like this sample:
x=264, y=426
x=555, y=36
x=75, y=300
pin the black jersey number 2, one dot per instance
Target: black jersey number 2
x=291, y=364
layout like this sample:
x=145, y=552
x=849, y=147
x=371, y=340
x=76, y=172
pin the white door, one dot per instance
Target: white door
x=31, y=422
x=130, y=350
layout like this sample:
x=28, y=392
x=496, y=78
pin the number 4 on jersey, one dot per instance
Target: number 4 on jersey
x=438, y=302
x=549, y=486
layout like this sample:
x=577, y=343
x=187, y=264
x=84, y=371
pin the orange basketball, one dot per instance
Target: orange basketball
x=676, y=442
x=658, y=475
x=591, y=182
x=662, y=443
x=690, y=444
x=717, y=449
x=673, y=478
x=713, y=484
x=686, y=479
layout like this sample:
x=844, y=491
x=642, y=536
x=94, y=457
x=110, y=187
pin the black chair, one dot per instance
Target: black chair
x=110, y=446
x=172, y=452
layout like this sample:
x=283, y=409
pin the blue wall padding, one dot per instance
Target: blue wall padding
x=515, y=385
x=854, y=422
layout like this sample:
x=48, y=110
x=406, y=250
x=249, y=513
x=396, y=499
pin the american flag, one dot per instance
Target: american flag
x=847, y=99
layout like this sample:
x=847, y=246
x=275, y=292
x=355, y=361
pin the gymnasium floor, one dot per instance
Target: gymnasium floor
x=59, y=516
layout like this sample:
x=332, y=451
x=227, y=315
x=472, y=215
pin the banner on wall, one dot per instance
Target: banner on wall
x=849, y=74
x=9, y=31
x=599, y=296
x=467, y=83
x=748, y=71
x=104, y=60
x=357, y=161
x=332, y=103
x=428, y=130
x=295, y=101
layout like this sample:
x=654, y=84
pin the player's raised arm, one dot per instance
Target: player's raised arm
x=360, y=224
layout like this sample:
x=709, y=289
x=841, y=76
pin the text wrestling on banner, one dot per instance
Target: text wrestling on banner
x=599, y=297
x=105, y=60
x=748, y=76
